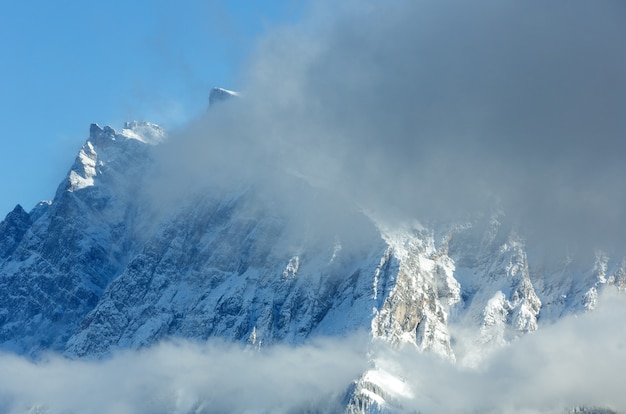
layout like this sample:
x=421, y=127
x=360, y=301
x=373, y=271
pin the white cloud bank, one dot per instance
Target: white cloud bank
x=185, y=378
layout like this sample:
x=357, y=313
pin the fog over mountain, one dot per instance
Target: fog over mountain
x=432, y=109
x=183, y=377
x=411, y=206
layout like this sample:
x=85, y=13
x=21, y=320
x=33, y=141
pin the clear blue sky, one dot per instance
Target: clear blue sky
x=66, y=64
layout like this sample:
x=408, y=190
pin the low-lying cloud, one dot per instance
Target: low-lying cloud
x=433, y=109
x=186, y=377
x=576, y=361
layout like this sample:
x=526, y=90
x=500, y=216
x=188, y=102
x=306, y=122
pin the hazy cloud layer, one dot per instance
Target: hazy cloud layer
x=431, y=109
x=185, y=378
x=577, y=361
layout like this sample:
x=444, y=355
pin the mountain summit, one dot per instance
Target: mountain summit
x=220, y=95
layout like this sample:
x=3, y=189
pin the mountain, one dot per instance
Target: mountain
x=219, y=95
x=100, y=268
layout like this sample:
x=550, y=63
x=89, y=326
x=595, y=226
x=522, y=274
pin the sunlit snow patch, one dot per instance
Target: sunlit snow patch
x=145, y=132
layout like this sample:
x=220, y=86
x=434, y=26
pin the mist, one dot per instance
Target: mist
x=433, y=110
x=185, y=377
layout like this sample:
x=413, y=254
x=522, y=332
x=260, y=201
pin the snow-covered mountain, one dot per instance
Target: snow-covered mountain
x=97, y=269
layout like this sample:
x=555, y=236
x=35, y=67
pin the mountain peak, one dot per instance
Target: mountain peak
x=219, y=95
x=94, y=130
x=98, y=134
x=12, y=230
x=19, y=210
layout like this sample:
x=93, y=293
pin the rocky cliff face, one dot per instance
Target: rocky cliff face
x=88, y=273
x=59, y=259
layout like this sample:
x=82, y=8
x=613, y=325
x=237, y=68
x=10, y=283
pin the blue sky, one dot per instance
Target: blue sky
x=66, y=64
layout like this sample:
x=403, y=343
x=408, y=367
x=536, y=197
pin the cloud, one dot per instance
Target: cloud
x=185, y=377
x=433, y=109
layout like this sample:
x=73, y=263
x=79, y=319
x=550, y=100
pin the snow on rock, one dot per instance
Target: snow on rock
x=416, y=309
x=145, y=132
x=292, y=267
x=84, y=170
